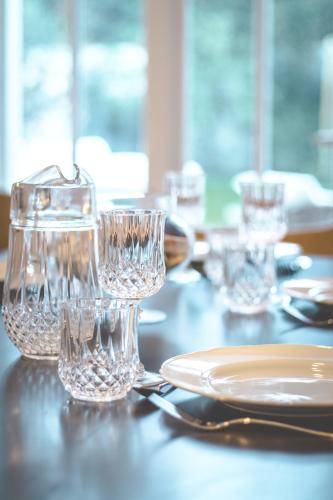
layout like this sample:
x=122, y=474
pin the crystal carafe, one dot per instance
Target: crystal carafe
x=51, y=256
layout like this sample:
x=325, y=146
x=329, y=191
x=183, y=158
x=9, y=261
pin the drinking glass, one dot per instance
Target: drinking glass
x=98, y=355
x=131, y=254
x=187, y=191
x=249, y=277
x=218, y=239
x=178, y=239
x=263, y=211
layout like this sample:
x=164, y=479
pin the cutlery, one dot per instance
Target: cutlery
x=288, y=307
x=156, y=396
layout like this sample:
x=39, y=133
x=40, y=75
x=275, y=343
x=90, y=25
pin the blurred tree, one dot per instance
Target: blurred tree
x=300, y=27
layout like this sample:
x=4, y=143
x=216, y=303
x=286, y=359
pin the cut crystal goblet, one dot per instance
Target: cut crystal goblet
x=131, y=254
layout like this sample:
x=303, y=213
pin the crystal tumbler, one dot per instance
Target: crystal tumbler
x=249, y=274
x=98, y=352
x=263, y=211
x=131, y=253
x=218, y=239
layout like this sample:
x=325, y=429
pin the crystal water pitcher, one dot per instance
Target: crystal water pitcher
x=51, y=256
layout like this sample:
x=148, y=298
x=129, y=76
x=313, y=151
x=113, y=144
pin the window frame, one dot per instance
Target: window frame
x=10, y=87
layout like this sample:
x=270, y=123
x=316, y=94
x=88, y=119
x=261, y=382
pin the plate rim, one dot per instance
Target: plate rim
x=202, y=388
x=305, y=293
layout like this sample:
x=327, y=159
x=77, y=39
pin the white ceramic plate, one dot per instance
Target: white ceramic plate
x=318, y=290
x=282, y=379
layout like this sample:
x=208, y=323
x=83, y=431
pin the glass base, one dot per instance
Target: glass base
x=277, y=297
x=152, y=316
x=248, y=309
x=184, y=276
x=46, y=357
x=148, y=379
x=97, y=399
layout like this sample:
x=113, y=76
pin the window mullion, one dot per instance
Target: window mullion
x=263, y=91
x=165, y=100
x=74, y=42
x=11, y=114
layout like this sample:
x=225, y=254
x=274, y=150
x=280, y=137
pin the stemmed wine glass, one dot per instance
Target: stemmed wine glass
x=178, y=239
x=131, y=255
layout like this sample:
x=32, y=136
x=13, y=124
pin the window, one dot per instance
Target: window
x=221, y=96
x=83, y=74
x=302, y=86
x=222, y=83
x=290, y=97
x=46, y=67
x=112, y=88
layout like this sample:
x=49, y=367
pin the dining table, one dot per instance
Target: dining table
x=54, y=447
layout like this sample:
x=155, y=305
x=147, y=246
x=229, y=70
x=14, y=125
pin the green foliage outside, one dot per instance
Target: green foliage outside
x=219, y=198
x=300, y=28
x=222, y=91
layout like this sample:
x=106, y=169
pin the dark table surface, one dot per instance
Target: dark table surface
x=54, y=448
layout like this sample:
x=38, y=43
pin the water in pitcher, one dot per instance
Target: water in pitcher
x=46, y=267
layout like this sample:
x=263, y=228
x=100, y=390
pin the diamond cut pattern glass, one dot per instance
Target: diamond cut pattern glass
x=249, y=273
x=131, y=253
x=98, y=356
x=51, y=256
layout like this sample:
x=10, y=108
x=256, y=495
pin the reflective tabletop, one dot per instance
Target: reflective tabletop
x=55, y=448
